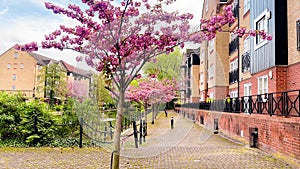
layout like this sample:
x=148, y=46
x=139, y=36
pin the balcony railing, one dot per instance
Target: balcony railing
x=245, y=62
x=280, y=104
x=233, y=76
x=233, y=46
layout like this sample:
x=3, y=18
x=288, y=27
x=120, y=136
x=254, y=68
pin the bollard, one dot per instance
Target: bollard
x=172, y=122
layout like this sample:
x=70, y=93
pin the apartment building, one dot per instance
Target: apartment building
x=22, y=72
x=243, y=66
x=214, y=60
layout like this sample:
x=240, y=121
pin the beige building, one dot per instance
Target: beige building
x=214, y=60
x=22, y=72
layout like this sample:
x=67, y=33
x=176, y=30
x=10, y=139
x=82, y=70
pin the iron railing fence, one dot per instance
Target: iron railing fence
x=279, y=103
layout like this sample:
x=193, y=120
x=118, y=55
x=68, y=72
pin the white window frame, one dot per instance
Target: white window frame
x=234, y=65
x=234, y=94
x=22, y=66
x=8, y=66
x=247, y=44
x=246, y=6
x=13, y=87
x=262, y=86
x=258, y=42
x=247, y=89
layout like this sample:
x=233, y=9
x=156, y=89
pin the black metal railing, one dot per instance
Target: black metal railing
x=233, y=76
x=246, y=62
x=280, y=103
x=233, y=45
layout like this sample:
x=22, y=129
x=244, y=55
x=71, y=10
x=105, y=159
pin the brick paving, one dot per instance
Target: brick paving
x=186, y=146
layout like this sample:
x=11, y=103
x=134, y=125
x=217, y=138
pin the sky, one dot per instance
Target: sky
x=24, y=21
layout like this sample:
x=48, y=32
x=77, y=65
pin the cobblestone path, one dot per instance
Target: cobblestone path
x=187, y=146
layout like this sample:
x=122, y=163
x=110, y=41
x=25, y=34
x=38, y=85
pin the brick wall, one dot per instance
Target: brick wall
x=275, y=134
x=293, y=80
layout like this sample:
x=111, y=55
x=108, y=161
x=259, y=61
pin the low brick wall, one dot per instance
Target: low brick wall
x=275, y=134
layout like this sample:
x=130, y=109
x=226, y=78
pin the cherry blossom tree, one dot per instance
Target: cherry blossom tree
x=152, y=92
x=118, y=38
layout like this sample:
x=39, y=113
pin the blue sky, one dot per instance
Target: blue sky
x=23, y=21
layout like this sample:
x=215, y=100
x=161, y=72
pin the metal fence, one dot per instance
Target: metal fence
x=280, y=103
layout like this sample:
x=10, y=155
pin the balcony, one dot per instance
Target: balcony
x=233, y=46
x=246, y=62
x=233, y=76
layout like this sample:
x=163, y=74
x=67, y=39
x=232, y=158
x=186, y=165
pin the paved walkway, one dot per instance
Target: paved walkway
x=187, y=146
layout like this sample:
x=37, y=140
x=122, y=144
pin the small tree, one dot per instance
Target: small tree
x=53, y=82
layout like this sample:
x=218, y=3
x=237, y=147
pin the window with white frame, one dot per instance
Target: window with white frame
x=246, y=6
x=234, y=94
x=263, y=84
x=247, y=93
x=13, y=87
x=8, y=66
x=234, y=65
x=21, y=66
x=247, y=89
x=247, y=44
x=261, y=23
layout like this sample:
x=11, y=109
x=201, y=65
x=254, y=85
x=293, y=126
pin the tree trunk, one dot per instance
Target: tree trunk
x=146, y=107
x=117, y=134
x=153, y=113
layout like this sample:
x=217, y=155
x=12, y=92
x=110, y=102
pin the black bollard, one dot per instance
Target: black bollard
x=172, y=122
x=135, y=134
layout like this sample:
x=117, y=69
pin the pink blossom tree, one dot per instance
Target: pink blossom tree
x=119, y=38
x=152, y=92
x=78, y=89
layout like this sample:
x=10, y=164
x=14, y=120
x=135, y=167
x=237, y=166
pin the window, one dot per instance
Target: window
x=246, y=6
x=38, y=78
x=234, y=94
x=13, y=87
x=247, y=93
x=8, y=66
x=246, y=45
x=16, y=55
x=14, y=77
x=261, y=23
x=263, y=84
x=22, y=66
x=298, y=35
x=247, y=89
x=234, y=65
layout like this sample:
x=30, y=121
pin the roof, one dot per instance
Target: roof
x=76, y=70
x=42, y=60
